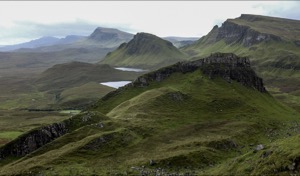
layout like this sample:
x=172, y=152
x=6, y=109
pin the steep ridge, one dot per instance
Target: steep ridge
x=189, y=118
x=36, y=138
x=269, y=42
x=144, y=51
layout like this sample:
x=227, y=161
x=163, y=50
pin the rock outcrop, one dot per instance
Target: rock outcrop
x=226, y=65
x=37, y=138
x=33, y=140
x=235, y=33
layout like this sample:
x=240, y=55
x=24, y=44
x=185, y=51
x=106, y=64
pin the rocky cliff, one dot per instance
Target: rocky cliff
x=37, y=138
x=225, y=65
x=232, y=32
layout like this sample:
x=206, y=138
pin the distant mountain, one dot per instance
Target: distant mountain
x=179, y=42
x=42, y=42
x=144, y=51
x=110, y=37
x=272, y=44
x=100, y=38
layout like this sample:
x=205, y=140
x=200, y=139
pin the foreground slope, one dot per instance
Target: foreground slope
x=144, y=51
x=272, y=44
x=188, y=118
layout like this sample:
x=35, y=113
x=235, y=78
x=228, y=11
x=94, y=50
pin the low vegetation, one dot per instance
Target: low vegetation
x=187, y=123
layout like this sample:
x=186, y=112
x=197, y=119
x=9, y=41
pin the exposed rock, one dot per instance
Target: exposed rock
x=292, y=166
x=33, y=140
x=152, y=162
x=234, y=33
x=37, y=138
x=258, y=148
x=297, y=42
x=226, y=65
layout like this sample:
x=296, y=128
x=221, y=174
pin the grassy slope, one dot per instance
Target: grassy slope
x=149, y=53
x=186, y=123
x=16, y=122
x=62, y=86
x=286, y=28
x=76, y=84
x=278, y=63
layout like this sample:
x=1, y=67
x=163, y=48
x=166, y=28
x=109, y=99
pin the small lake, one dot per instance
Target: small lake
x=130, y=69
x=116, y=84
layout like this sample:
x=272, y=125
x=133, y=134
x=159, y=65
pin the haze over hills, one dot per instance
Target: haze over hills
x=271, y=43
x=42, y=42
x=144, y=51
x=100, y=38
x=197, y=117
x=179, y=42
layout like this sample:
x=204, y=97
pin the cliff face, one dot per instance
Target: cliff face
x=37, y=138
x=225, y=65
x=234, y=33
x=33, y=140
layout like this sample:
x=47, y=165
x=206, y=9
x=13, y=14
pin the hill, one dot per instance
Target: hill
x=41, y=42
x=209, y=116
x=272, y=44
x=144, y=51
x=110, y=37
x=76, y=84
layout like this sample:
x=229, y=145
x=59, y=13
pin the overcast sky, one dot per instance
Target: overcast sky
x=22, y=21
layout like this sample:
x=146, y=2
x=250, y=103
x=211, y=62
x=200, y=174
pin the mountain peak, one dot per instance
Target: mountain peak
x=146, y=43
x=105, y=34
x=144, y=51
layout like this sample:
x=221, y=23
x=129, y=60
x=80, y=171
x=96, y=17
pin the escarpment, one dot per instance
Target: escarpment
x=39, y=137
x=225, y=65
x=235, y=33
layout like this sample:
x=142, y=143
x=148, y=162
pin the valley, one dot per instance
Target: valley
x=177, y=117
x=116, y=103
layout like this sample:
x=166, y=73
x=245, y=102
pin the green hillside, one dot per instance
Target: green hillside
x=272, y=44
x=144, y=51
x=196, y=118
x=76, y=84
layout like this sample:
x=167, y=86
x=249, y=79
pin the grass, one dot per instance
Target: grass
x=187, y=123
x=16, y=122
x=150, y=52
x=286, y=28
x=276, y=62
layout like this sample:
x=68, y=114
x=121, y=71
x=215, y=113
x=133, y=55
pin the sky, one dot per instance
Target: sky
x=22, y=21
